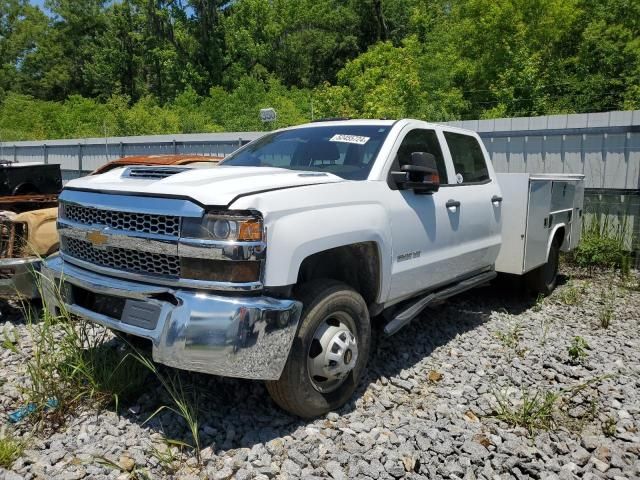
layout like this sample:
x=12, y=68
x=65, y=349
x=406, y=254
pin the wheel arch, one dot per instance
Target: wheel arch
x=558, y=234
x=357, y=265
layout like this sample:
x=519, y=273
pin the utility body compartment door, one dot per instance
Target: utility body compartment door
x=537, y=230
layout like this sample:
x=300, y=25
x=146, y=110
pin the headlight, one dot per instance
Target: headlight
x=223, y=227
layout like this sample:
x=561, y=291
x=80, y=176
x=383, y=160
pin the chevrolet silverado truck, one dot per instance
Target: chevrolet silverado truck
x=28, y=232
x=277, y=264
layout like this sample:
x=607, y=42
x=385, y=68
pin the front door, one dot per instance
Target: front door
x=421, y=225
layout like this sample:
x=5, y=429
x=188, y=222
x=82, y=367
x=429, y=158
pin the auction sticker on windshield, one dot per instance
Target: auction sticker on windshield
x=338, y=137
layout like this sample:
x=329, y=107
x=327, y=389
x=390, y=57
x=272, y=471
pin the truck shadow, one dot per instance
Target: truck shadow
x=235, y=413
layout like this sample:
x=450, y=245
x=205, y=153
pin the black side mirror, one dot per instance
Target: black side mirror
x=420, y=175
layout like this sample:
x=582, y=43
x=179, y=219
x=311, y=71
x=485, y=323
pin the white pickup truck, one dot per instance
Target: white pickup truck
x=276, y=264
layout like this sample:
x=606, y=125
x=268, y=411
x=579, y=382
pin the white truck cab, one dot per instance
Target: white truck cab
x=275, y=264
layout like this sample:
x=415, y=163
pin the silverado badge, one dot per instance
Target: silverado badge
x=96, y=238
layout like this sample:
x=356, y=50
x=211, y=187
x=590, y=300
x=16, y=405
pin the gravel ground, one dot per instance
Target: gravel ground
x=427, y=408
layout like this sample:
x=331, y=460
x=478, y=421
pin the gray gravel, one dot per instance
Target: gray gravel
x=425, y=410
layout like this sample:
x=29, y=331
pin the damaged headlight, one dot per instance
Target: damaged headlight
x=214, y=226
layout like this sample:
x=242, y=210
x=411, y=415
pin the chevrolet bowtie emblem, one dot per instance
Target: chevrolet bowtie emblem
x=96, y=238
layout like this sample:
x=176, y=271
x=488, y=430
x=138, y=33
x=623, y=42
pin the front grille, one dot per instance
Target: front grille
x=124, y=259
x=133, y=222
x=13, y=239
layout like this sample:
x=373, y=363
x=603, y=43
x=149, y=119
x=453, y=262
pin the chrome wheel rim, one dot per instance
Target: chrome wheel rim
x=333, y=353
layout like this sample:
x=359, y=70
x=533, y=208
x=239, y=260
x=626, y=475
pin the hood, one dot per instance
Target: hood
x=215, y=187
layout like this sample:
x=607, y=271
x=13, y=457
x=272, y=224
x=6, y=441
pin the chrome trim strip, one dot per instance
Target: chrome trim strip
x=165, y=244
x=167, y=281
x=194, y=248
x=132, y=203
x=245, y=337
x=144, y=242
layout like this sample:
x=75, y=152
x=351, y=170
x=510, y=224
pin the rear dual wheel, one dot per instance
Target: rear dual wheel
x=543, y=280
x=329, y=352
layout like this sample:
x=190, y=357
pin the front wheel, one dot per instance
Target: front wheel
x=329, y=352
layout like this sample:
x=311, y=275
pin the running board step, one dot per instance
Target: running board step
x=413, y=310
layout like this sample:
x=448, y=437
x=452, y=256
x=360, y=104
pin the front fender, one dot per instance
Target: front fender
x=295, y=236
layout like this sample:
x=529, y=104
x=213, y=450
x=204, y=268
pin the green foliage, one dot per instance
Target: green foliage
x=578, y=350
x=133, y=66
x=10, y=450
x=602, y=245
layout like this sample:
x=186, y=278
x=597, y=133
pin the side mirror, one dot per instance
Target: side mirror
x=420, y=174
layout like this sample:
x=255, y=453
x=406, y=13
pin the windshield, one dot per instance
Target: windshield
x=344, y=150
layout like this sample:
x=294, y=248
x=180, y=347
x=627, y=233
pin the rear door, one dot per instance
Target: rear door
x=474, y=203
x=421, y=226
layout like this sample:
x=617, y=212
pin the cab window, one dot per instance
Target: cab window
x=468, y=160
x=421, y=140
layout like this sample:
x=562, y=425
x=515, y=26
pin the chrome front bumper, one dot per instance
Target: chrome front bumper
x=232, y=336
x=17, y=277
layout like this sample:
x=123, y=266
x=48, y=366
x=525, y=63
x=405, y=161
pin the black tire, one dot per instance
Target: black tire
x=543, y=280
x=295, y=391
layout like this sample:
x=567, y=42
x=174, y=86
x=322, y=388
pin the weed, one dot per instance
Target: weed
x=73, y=362
x=609, y=427
x=534, y=411
x=577, y=350
x=10, y=340
x=10, y=450
x=570, y=295
x=510, y=339
x=166, y=457
x=603, y=245
x=547, y=409
x=185, y=404
x=539, y=302
x=135, y=474
x=607, y=302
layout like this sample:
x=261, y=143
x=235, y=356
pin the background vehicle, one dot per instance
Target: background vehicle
x=275, y=265
x=28, y=231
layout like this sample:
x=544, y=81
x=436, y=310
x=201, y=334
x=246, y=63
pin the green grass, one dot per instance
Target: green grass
x=548, y=409
x=10, y=450
x=534, y=411
x=75, y=362
x=607, y=306
x=184, y=403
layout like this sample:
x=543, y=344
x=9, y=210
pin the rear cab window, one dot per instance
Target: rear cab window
x=468, y=158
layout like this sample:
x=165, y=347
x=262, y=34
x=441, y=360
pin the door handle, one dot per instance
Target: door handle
x=496, y=199
x=452, y=204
